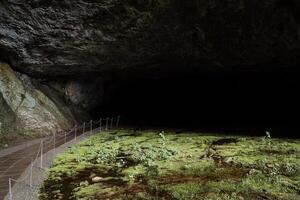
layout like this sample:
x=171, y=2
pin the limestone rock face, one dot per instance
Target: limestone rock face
x=7, y=119
x=65, y=37
x=27, y=108
x=85, y=93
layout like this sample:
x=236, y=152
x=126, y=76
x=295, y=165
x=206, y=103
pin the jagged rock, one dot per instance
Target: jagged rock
x=68, y=39
x=7, y=118
x=85, y=93
x=49, y=38
x=34, y=113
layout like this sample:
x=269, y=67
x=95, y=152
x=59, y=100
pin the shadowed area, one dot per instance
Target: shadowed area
x=252, y=102
x=227, y=65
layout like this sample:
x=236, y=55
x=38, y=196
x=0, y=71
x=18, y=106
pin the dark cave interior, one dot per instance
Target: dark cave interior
x=248, y=102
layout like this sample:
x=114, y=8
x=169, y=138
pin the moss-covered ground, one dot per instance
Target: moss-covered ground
x=127, y=164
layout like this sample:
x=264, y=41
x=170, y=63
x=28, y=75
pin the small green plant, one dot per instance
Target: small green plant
x=232, y=196
x=136, y=147
x=290, y=169
x=120, y=163
x=106, y=156
x=174, y=166
x=267, y=139
x=152, y=171
x=114, y=138
x=162, y=135
x=84, y=183
x=165, y=154
x=131, y=178
x=268, y=135
x=162, y=138
x=185, y=167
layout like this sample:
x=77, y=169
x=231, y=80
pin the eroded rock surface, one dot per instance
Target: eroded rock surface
x=7, y=119
x=65, y=41
x=28, y=110
x=45, y=38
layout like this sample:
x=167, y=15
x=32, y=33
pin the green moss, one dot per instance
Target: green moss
x=152, y=165
x=186, y=190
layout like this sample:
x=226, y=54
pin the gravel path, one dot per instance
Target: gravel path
x=12, y=165
x=14, y=161
x=23, y=145
x=21, y=189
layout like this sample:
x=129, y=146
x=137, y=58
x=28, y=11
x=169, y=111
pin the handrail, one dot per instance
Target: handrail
x=59, y=138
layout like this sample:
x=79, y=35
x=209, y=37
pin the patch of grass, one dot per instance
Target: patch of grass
x=190, y=190
x=163, y=165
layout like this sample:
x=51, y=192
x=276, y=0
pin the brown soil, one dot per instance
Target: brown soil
x=225, y=141
x=111, y=178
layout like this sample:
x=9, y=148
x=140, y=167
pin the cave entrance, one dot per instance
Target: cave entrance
x=224, y=101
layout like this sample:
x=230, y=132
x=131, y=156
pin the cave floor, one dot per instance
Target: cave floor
x=131, y=164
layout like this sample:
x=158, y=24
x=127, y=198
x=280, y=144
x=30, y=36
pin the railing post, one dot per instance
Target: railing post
x=118, y=120
x=10, y=189
x=100, y=126
x=111, y=122
x=83, y=129
x=75, y=129
x=106, y=123
x=54, y=142
x=42, y=153
x=91, y=131
x=65, y=137
x=30, y=178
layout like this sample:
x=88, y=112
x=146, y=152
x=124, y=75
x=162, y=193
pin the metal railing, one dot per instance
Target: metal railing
x=29, y=183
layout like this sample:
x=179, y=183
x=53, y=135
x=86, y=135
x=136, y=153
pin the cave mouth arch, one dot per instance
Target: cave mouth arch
x=231, y=101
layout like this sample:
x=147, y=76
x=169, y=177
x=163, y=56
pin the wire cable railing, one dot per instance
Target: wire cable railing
x=25, y=185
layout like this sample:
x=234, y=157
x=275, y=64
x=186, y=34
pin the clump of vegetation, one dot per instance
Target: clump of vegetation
x=149, y=165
